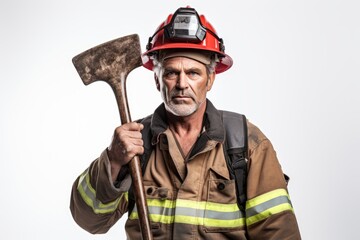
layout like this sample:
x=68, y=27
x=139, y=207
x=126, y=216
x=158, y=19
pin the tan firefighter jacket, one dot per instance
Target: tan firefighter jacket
x=192, y=197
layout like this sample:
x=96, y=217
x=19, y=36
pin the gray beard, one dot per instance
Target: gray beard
x=181, y=111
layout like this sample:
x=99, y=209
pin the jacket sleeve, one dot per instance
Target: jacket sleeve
x=269, y=212
x=96, y=204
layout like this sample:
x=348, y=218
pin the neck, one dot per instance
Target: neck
x=191, y=124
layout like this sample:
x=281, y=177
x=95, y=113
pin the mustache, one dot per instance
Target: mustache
x=182, y=93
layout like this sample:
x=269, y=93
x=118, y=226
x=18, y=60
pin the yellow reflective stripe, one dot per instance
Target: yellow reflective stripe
x=222, y=207
x=265, y=197
x=161, y=203
x=153, y=217
x=265, y=205
x=209, y=222
x=88, y=194
x=193, y=212
x=207, y=205
x=193, y=204
x=126, y=195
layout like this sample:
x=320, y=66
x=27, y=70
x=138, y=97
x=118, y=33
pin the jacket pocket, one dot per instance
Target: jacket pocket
x=156, y=197
x=154, y=192
x=222, y=217
x=221, y=189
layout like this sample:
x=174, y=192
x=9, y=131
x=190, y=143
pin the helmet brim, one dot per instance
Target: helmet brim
x=225, y=61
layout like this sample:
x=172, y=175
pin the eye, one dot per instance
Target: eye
x=170, y=75
x=193, y=74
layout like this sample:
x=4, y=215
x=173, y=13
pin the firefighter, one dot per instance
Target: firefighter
x=190, y=191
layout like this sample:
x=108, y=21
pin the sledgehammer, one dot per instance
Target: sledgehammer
x=111, y=62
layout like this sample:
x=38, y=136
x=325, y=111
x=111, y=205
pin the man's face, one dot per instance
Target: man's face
x=184, y=83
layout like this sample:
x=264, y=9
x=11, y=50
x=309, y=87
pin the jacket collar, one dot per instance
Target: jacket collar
x=213, y=125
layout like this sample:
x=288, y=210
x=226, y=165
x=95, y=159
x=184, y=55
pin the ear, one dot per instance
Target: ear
x=156, y=78
x=210, y=81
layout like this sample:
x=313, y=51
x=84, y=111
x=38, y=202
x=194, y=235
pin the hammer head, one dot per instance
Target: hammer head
x=110, y=61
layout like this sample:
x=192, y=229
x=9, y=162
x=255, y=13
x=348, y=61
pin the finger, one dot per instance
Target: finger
x=133, y=126
x=129, y=137
x=138, y=142
x=133, y=150
x=134, y=134
x=138, y=150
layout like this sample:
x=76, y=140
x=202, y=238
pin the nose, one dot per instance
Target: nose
x=182, y=82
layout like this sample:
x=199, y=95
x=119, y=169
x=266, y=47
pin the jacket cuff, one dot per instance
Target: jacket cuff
x=105, y=178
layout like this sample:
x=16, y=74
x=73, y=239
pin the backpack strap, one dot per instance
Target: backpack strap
x=236, y=151
x=144, y=159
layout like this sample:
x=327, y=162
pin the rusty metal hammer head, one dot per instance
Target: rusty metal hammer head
x=111, y=62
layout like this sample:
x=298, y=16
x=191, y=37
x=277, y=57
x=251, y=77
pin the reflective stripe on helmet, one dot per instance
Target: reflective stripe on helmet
x=88, y=194
x=265, y=205
x=207, y=214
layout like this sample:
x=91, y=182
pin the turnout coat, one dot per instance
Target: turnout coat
x=191, y=197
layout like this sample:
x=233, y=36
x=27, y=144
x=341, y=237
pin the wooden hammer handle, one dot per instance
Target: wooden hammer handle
x=119, y=88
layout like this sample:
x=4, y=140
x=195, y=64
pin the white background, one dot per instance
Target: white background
x=295, y=75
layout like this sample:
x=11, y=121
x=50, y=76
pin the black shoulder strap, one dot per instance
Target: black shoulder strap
x=144, y=159
x=235, y=151
x=147, y=136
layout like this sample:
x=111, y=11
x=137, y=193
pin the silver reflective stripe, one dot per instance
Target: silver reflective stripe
x=191, y=212
x=267, y=205
x=88, y=194
x=159, y=210
x=203, y=213
x=223, y=215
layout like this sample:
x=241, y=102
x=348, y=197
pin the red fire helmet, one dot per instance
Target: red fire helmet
x=185, y=29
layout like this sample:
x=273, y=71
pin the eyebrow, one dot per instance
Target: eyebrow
x=170, y=69
x=174, y=69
